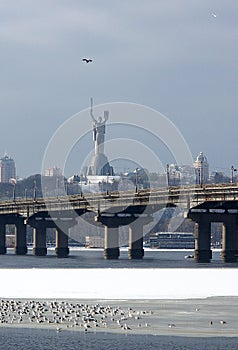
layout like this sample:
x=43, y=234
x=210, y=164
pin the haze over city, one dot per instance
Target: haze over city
x=179, y=58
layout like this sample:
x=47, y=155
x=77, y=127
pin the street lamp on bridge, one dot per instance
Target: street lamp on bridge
x=81, y=185
x=233, y=169
x=14, y=191
x=167, y=173
x=107, y=190
x=137, y=169
x=34, y=191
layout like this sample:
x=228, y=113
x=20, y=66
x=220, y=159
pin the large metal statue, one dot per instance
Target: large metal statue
x=99, y=129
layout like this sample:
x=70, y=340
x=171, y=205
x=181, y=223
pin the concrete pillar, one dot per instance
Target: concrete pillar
x=3, y=248
x=20, y=240
x=39, y=234
x=61, y=249
x=230, y=239
x=111, y=242
x=136, y=250
x=202, y=233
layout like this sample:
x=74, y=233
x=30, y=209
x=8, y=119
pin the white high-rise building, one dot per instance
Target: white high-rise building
x=7, y=169
x=201, y=167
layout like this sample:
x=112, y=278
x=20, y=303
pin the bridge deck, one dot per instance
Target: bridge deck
x=186, y=197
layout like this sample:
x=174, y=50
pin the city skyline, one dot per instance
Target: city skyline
x=130, y=166
x=181, y=62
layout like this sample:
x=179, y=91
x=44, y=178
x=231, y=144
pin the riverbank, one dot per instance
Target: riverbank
x=210, y=317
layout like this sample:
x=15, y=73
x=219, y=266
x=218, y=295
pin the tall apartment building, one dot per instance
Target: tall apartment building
x=7, y=169
x=201, y=167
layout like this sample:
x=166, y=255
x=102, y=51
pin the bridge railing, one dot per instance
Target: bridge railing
x=186, y=196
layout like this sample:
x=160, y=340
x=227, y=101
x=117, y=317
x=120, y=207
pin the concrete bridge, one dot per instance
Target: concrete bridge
x=203, y=204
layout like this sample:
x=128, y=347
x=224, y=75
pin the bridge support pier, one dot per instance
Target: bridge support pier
x=20, y=241
x=135, y=250
x=230, y=239
x=3, y=248
x=111, y=242
x=39, y=248
x=202, y=233
x=61, y=249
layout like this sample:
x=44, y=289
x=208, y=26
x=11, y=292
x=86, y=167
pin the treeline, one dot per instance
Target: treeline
x=31, y=187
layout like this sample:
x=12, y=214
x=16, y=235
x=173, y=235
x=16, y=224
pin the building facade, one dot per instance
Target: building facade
x=94, y=242
x=55, y=171
x=7, y=169
x=201, y=168
x=172, y=240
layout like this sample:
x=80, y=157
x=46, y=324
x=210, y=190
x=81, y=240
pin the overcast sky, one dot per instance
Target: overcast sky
x=175, y=56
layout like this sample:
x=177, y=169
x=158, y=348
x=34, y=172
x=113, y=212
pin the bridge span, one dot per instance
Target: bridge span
x=202, y=204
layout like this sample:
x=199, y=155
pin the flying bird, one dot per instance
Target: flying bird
x=214, y=15
x=87, y=60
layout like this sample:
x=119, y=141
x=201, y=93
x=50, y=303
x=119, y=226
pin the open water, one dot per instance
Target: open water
x=31, y=339
x=93, y=258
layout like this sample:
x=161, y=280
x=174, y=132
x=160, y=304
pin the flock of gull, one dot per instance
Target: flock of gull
x=64, y=314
